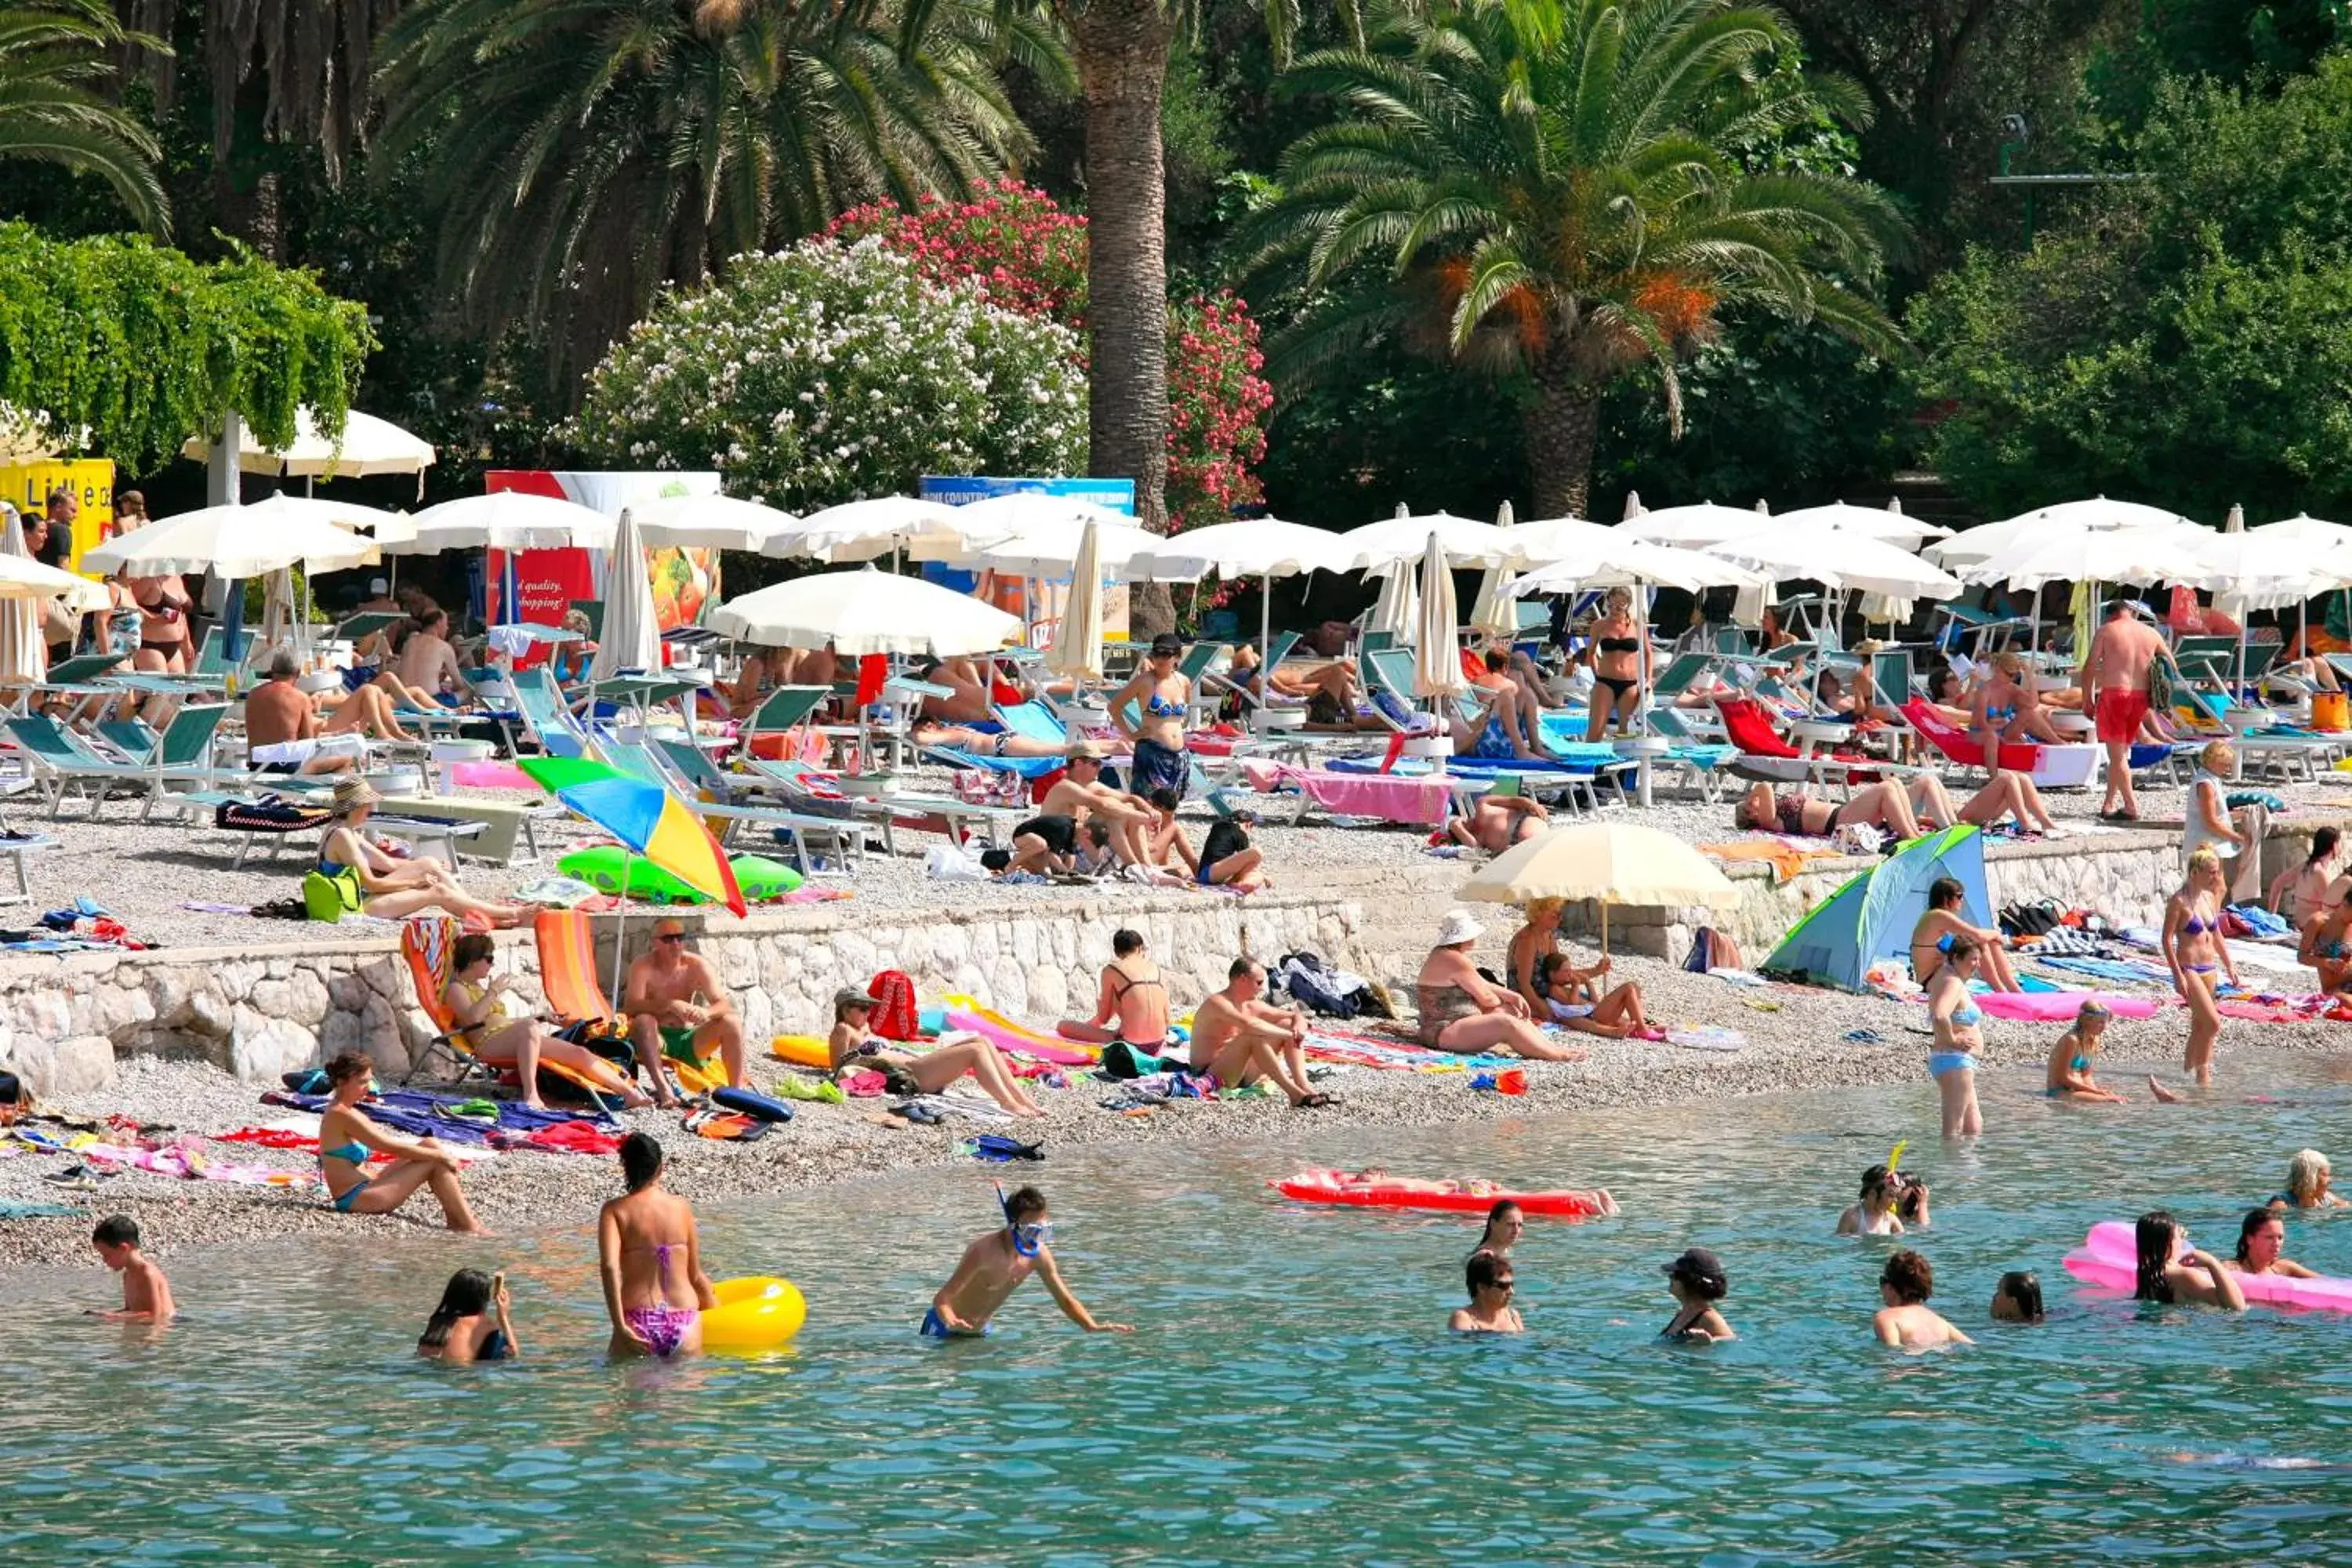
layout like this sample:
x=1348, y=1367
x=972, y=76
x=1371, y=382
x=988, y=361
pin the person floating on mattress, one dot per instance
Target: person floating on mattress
x=996, y=1265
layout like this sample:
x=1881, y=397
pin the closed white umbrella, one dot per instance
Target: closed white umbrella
x=630, y=638
x=1077, y=641
x=24, y=656
x=1437, y=649
x=708, y=522
x=1397, y=612
x=1694, y=526
x=1467, y=543
x=508, y=520
x=1495, y=610
x=864, y=529
x=243, y=540
x=1847, y=562
x=864, y=611
x=282, y=624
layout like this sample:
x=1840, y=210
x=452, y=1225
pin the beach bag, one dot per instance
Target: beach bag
x=1121, y=1062
x=2032, y=919
x=1312, y=986
x=895, y=1017
x=329, y=899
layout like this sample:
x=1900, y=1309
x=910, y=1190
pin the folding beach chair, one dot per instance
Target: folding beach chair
x=429, y=945
x=797, y=831
x=547, y=718
x=1765, y=753
x=567, y=973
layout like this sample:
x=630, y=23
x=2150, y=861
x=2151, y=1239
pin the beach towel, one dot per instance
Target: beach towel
x=2128, y=970
x=1785, y=859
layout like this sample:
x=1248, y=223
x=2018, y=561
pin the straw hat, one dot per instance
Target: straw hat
x=1458, y=926
x=353, y=794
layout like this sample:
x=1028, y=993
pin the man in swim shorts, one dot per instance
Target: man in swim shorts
x=995, y=1265
x=2117, y=676
x=678, y=1007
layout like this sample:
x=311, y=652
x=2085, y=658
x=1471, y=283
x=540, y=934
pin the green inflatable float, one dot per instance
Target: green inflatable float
x=762, y=880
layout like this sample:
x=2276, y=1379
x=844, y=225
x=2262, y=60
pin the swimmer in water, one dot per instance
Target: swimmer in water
x=2259, y=1236
x=2308, y=1175
x=146, y=1294
x=1906, y=1321
x=1881, y=1192
x=2069, y=1076
x=1490, y=1281
x=2172, y=1270
x=1505, y=1221
x=1696, y=1282
x=995, y=1265
x=471, y=1323
x=2017, y=1298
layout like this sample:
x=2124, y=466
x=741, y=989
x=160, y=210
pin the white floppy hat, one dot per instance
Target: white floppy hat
x=1458, y=926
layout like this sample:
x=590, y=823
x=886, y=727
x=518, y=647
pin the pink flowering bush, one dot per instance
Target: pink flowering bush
x=1025, y=254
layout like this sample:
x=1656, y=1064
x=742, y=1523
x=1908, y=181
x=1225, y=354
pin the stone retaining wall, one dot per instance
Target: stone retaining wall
x=260, y=1012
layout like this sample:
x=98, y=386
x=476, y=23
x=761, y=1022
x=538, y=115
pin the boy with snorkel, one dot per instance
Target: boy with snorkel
x=995, y=1266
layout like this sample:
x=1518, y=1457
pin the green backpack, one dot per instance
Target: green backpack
x=329, y=899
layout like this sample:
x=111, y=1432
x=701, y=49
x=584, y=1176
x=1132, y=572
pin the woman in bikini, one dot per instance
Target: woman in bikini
x=2069, y=1076
x=651, y=1258
x=1161, y=697
x=2199, y=959
x=2327, y=948
x=982, y=743
x=393, y=888
x=1942, y=925
x=1617, y=655
x=1902, y=811
x=2007, y=708
x=477, y=1003
x=163, y=604
x=853, y=1046
x=1132, y=1004
x=347, y=1138
x=1952, y=1061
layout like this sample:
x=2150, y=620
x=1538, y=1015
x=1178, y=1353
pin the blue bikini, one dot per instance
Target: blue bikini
x=355, y=1155
x=1967, y=1014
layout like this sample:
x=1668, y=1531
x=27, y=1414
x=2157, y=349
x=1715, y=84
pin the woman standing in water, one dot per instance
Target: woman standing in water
x=2199, y=959
x=1504, y=1222
x=1952, y=1063
x=2170, y=1271
x=648, y=1251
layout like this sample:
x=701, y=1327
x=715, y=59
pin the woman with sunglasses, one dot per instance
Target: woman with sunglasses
x=1490, y=1282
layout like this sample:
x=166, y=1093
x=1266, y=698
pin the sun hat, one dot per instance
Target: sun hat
x=1458, y=926
x=353, y=794
x=851, y=996
x=1087, y=751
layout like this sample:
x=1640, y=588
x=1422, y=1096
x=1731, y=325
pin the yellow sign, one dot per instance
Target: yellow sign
x=26, y=486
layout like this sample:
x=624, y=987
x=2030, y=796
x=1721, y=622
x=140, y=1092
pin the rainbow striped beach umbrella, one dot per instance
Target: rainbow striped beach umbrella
x=645, y=817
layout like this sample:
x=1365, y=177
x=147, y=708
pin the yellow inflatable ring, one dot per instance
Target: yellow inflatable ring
x=802, y=1050
x=757, y=1313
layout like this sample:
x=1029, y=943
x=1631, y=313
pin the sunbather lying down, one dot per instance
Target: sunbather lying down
x=1903, y=810
x=982, y=743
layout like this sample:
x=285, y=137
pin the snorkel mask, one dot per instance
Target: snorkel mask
x=1027, y=1240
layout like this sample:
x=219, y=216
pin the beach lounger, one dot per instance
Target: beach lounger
x=1765, y=753
x=798, y=831
x=547, y=718
x=566, y=941
x=429, y=945
x=63, y=762
x=2074, y=765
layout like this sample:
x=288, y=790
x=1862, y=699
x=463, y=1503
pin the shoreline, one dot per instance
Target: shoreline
x=1796, y=1044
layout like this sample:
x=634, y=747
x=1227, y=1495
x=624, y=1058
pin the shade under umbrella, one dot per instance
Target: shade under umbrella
x=864, y=611
x=1437, y=650
x=24, y=654
x=508, y=520
x=1077, y=641
x=1606, y=863
x=630, y=638
x=708, y=522
x=243, y=540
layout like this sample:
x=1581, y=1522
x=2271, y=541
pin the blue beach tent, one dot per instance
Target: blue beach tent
x=1872, y=916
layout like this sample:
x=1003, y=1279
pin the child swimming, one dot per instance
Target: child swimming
x=146, y=1294
x=995, y=1265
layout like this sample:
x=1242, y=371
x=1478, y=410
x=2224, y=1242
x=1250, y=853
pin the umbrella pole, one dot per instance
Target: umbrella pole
x=620, y=934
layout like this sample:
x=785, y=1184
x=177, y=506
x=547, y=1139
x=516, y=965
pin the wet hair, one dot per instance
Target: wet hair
x=641, y=1160
x=1241, y=966
x=2022, y=1287
x=1484, y=1272
x=1166, y=799
x=2152, y=1238
x=2255, y=1219
x=1914, y=1199
x=1879, y=1176
x=116, y=1230
x=1022, y=1204
x=471, y=949
x=2304, y=1170
x=1495, y=1217
x=1911, y=1276
x=349, y=1065
x=1944, y=892
x=1124, y=941
x=2323, y=844
x=467, y=1295
x=996, y=859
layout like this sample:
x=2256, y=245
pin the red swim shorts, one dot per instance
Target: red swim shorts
x=2120, y=714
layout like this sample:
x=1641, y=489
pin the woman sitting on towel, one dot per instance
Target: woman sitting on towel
x=1460, y=1012
x=477, y=1001
x=1558, y=992
x=852, y=1046
x=390, y=887
x=1902, y=810
x=348, y=1139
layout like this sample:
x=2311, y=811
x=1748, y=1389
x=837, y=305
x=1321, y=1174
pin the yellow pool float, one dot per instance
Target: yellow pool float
x=759, y=1312
x=802, y=1050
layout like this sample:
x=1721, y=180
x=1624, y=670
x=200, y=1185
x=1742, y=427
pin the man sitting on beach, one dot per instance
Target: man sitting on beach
x=995, y=1265
x=678, y=1006
x=427, y=662
x=1240, y=1040
x=287, y=724
x=1080, y=794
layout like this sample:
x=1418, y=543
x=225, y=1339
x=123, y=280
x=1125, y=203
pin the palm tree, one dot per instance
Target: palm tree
x=589, y=152
x=48, y=50
x=1561, y=190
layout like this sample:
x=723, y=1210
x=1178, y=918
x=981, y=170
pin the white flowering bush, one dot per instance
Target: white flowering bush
x=831, y=372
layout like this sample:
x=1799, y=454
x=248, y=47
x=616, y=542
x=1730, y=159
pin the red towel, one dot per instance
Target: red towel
x=872, y=671
x=894, y=1006
x=573, y=1138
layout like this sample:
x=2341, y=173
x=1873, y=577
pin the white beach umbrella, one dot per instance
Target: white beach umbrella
x=1633, y=506
x=1467, y=543
x=2140, y=556
x=1887, y=523
x=1437, y=647
x=1629, y=563
x=2097, y=514
x=1554, y=538
x=1077, y=641
x=1264, y=547
x=24, y=654
x=1606, y=863
x=630, y=638
x=864, y=529
x=864, y=611
x=282, y=623
x=1050, y=548
x=1695, y=526
x=369, y=446
x=1397, y=612
x=508, y=520
x=708, y=522
x=1846, y=562
x=2262, y=569
x=242, y=541
x=1020, y=512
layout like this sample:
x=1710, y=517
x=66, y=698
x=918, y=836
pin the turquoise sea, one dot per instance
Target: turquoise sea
x=1292, y=1397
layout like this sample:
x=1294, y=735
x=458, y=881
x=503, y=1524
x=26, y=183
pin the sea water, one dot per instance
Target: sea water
x=1291, y=1395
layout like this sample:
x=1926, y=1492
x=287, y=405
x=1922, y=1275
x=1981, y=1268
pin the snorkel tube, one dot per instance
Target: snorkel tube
x=1028, y=1245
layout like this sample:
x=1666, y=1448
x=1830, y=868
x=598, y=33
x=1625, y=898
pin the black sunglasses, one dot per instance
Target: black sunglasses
x=671, y=936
